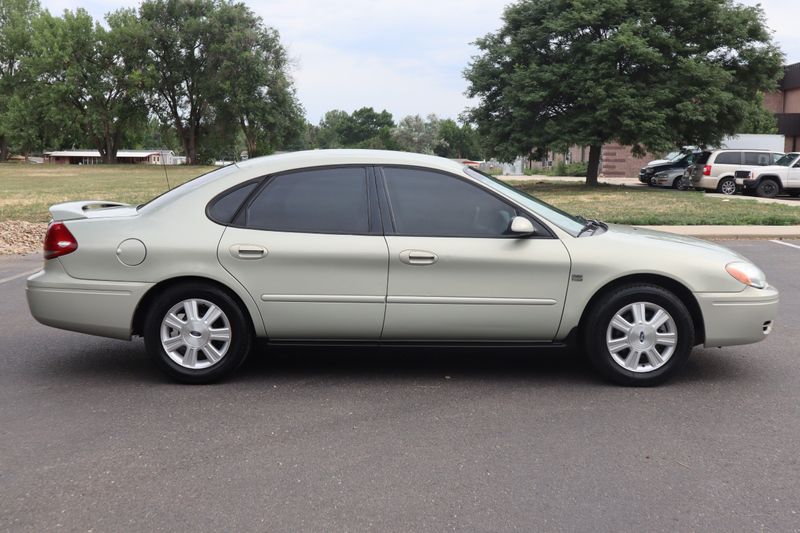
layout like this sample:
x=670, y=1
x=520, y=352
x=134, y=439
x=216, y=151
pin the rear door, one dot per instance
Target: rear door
x=455, y=271
x=309, y=248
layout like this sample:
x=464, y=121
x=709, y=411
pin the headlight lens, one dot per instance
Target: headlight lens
x=747, y=273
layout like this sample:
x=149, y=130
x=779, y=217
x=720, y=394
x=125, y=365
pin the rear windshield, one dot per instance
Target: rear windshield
x=702, y=159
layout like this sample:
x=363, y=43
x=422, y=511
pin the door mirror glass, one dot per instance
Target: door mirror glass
x=522, y=226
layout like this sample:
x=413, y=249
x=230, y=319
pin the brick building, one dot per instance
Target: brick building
x=785, y=103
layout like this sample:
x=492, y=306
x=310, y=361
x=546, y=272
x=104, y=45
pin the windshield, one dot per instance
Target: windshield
x=188, y=186
x=563, y=220
x=673, y=156
x=787, y=159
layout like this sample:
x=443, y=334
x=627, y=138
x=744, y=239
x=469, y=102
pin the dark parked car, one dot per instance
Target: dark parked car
x=680, y=161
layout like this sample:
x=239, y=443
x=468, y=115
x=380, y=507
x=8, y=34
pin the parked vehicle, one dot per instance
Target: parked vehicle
x=677, y=178
x=680, y=161
x=715, y=169
x=768, y=182
x=360, y=246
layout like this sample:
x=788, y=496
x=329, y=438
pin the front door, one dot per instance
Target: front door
x=309, y=249
x=455, y=271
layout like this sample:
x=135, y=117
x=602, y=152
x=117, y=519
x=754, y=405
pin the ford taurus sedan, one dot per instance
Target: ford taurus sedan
x=375, y=247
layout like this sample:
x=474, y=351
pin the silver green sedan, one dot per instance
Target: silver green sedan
x=376, y=247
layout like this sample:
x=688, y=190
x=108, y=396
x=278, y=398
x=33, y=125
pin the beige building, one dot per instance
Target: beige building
x=92, y=157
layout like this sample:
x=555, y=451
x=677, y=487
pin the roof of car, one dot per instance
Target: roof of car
x=349, y=157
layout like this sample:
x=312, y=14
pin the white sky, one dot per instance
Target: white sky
x=405, y=56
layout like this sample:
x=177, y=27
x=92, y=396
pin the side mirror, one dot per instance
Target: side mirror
x=522, y=226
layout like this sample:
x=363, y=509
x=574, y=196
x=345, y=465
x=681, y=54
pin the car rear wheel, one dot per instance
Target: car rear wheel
x=639, y=335
x=197, y=333
x=767, y=189
x=726, y=186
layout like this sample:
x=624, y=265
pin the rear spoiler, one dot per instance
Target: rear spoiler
x=82, y=209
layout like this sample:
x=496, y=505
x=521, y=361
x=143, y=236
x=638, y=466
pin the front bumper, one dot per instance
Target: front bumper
x=749, y=185
x=733, y=318
x=104, y=308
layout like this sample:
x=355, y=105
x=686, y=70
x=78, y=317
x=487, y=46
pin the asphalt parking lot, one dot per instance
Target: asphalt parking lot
x=95, y=439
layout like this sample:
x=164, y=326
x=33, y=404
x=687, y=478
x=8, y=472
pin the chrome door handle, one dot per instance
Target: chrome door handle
x=248, y=251
x=418, y=257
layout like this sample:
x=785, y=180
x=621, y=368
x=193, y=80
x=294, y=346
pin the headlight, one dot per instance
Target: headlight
x=747, y=273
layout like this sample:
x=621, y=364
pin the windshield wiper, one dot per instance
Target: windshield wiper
x=591, y=224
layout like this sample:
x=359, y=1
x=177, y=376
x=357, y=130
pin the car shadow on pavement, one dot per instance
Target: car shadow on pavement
x=121, y=362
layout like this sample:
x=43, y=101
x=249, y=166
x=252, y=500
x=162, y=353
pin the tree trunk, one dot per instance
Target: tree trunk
x=3, y=149
x=594, y=164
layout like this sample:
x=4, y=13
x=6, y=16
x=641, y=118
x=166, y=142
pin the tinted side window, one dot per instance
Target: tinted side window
x=430, y=203
x=757, y=158
x=729, y=158
x=224, y=207
x=313, y=201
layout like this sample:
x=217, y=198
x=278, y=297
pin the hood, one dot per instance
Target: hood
x=655, y=162
x=649, y=237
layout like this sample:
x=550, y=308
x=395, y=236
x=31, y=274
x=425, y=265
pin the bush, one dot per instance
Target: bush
x=560, y=169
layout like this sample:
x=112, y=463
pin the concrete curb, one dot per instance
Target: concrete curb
x=732, y=232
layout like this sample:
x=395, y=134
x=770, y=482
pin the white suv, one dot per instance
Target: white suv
x=783, y=176
x=714, y=170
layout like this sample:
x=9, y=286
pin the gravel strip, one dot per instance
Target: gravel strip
x=18, y=237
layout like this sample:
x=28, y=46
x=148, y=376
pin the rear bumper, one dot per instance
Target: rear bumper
x=704, y=182
x=104, y=308
x=740, y=317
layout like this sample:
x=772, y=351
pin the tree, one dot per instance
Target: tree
x=758, y=119
x=215, y=66
x=254, y=86
x=16, y=18
x=457, y=141
x=88, y=68
x=415, y=134
x=364, y=128
x=652, y=74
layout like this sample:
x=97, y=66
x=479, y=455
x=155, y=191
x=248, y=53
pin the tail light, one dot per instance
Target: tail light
x=707, y=170
x=58, y=241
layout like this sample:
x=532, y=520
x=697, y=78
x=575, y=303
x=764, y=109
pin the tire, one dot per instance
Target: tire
x=613, y=353
x=726, y=186
x=767, y=189
x=210, y=359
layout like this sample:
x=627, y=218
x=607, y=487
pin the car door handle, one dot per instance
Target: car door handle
x=418, y=257
x=248, y=251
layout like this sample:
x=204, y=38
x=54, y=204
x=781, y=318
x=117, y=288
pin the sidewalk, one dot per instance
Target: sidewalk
x=732, y=232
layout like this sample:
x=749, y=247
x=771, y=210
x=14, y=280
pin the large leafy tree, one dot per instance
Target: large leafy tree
x=215, y=66
x=87, y=68
x=16, y=18
x=253, y=84
x=647, y=73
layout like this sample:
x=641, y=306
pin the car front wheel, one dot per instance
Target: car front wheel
x=197, y=333
x=767, y=189
x=639, y=335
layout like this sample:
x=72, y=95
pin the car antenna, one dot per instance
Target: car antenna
x=164, y=164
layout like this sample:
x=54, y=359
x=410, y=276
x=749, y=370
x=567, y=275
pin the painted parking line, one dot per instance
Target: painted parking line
x=20, y=275
x=785, y=243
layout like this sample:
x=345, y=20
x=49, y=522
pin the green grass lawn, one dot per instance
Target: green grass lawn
x=26, y=191
x=655, y=206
